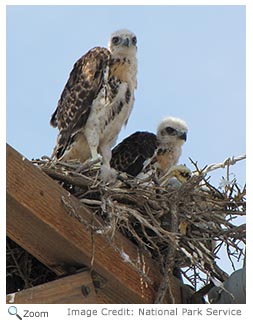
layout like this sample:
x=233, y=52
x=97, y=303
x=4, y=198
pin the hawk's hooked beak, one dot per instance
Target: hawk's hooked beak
x=126, y=42
x=182, y=136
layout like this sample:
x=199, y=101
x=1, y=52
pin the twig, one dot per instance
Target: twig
x=229, y=161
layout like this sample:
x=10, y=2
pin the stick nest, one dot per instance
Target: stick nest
x=188, y=222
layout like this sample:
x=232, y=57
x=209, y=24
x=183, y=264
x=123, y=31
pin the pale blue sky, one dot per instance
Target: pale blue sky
x=191, y=64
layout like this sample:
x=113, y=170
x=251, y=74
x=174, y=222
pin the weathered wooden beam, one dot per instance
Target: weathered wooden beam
x=39, y=221
x=74, y=289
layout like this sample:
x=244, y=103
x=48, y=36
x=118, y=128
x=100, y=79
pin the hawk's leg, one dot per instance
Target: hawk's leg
x=93, y=142
x=107, y=173
x=94, y=153
x=106, y=154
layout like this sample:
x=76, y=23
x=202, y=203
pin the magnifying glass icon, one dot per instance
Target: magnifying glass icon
x=12, y=310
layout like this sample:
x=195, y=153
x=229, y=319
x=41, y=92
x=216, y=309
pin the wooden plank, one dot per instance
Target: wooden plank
x=38, y=221
x=74, y=289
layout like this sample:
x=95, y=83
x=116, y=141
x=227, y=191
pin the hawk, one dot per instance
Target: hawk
x=97, y=100
x=144, y=150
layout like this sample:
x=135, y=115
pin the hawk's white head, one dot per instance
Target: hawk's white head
x=123, y=42
x=172, y=130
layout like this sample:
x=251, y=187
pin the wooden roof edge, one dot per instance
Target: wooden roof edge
x=41, y=217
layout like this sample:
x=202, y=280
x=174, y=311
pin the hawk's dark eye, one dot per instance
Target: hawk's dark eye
x=170, y=131
x=116, y=40
x=186, y=175
x=134, y=40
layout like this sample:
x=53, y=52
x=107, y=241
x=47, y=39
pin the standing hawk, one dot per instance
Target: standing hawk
x=143, y=150
x=96, y=100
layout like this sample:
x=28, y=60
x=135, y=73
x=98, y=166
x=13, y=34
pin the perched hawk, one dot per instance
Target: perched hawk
x=143, y=150
x=96, y=100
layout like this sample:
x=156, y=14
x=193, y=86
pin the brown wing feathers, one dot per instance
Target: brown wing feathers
x=129, y=156
x=84, y=83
